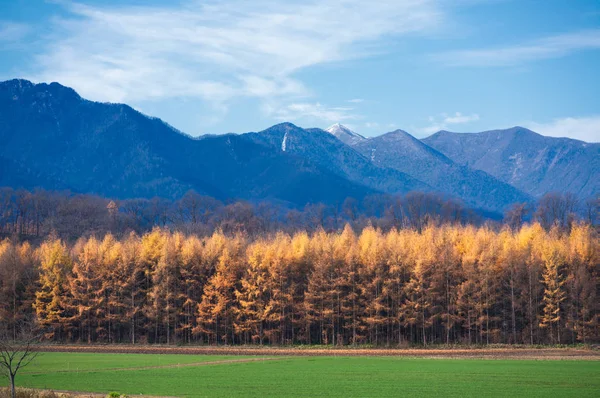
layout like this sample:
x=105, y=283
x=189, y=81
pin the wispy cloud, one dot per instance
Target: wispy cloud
x=459, y=118
x=356, y=100
x=311, y=111
x=580, y=128
x=12, y=32
x=445, y=120
x=217, y=51
x=545, y=48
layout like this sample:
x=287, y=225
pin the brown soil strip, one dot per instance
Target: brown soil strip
x=83, y=394
x=491, y=353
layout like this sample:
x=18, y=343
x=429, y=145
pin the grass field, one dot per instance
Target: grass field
x=269, y=376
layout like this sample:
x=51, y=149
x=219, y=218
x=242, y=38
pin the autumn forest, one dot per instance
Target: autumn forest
x=444, y=284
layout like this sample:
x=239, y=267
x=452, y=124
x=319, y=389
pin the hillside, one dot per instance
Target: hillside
x=401, y=151
x=55, y=139
x=529, y=161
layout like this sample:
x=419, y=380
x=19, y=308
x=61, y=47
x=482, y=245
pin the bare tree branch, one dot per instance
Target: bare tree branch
x=17, y=353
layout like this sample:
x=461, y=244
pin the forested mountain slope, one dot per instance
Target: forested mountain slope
x=529, y=161
x=54, y=139
x=401, y=151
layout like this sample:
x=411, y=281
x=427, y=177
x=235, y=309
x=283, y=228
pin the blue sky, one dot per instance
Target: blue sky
x=236, y=66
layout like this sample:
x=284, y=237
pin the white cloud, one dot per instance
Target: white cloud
x=545, y=48
x=459, y=118
x=313, y=111
x=215, y=50
x=356, y=100
x=444, y=121
x=580, y=128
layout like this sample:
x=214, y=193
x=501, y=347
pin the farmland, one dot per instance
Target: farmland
x=283, y=373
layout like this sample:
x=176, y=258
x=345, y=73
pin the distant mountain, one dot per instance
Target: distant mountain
x=54, y=139
x=401, y=151
x=322, y=148
x=345, y=135
x=529, y=161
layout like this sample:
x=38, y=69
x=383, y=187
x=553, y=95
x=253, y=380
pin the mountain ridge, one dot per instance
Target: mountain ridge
x=56, y=139
x=344, y=134
x=64, y=141
x=401, y=151
x=326, y=150
x=525, y=159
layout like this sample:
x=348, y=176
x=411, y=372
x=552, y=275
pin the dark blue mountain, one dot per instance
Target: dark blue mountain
x=529, y=161
x=54, y=139
x=401, y=151
x=322, y=148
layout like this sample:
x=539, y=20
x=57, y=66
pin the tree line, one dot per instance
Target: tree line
x=36, y=214
x=441, y=284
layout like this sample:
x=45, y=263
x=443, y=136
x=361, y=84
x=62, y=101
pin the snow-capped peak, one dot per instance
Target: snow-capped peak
x=344, y=134
x=341, y=129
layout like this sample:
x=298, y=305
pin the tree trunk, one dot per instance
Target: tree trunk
x=447, y=309
x=13, y=390
x=530, y=309
x=512, y=304
x=132, y=318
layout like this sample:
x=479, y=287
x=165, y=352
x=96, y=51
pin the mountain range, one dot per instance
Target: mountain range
x=403, y=152
x=54, y=139
x=528, y=161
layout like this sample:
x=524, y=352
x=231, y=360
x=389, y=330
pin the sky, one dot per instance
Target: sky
x=218, y=66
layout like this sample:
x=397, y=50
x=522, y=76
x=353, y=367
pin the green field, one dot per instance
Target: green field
x=154, y=374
